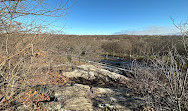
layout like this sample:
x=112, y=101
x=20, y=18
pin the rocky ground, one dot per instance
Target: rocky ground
x=91, y=88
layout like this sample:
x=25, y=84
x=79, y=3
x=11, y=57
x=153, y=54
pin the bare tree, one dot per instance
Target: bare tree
x=23, y=17
x=14, y=15
x=164, y=84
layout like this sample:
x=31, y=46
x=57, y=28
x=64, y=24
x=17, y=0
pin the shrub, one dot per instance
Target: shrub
x=164, y=85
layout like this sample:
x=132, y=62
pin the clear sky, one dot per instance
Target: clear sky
x=106, y=17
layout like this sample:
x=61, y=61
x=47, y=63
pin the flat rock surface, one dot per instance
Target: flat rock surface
x=80, y=97
x=78, y=104
x=86, y=94
x=91, y=72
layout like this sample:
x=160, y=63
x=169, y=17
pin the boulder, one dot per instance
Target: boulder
x=89, y=74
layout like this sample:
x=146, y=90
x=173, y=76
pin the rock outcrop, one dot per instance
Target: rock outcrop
x=92, y=89
x=80, y=97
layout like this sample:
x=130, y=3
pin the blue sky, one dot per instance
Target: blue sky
x=106, y=17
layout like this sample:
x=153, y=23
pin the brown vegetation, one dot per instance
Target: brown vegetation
x=29, y=58
x=34, y=63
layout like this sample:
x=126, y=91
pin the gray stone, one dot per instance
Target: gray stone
x=78, y=90
x=51, y=106
x=78, y=104
x=90, y=72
